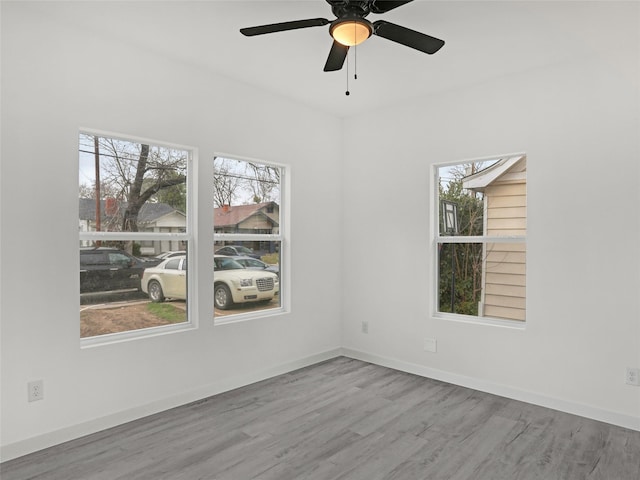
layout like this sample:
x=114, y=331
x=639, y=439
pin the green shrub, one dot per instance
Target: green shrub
x=271, y=258
x=167, y=312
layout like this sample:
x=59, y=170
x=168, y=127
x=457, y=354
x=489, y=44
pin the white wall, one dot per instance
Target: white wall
x=57, y=79
x=578, y=123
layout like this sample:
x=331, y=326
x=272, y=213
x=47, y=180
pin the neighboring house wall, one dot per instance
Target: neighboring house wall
x=153, y=217
x=504, y=187
x=264, y=217
x=257, y=222
x=261, y=218
x=247, y=218
x=173, y=222
x=504, y=282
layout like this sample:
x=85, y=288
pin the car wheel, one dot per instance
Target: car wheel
x=222, y=296
x=155, y=292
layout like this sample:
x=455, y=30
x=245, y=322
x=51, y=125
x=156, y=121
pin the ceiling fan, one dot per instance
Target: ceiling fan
x=352, y=28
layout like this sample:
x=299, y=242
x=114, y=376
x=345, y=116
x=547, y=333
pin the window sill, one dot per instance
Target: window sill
x=487, y=321
x=245, y=317
x=114, y=338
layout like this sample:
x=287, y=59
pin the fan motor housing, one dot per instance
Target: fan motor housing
x=350, y=9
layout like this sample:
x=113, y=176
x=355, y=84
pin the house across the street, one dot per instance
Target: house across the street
x=259, y=218
x=153, y=217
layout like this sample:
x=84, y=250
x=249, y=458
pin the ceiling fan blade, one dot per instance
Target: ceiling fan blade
x=284, y=26
x=382, y=6
x=407, y=37
x=337, y=56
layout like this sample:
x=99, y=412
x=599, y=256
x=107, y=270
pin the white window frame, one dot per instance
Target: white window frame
x=282, y=236
x=188, y=237
x=446, y=239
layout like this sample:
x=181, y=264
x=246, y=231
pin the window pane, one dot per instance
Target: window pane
x=113, y=293
x=483, y=199
x=247, y=214
x=246, y=197
x=465, y=188
x=127, y=186
x=247, y=282
x=459, y=277
x=132, y=187
x=488, y=280
x=461, y=211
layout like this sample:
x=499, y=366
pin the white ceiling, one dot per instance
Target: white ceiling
x=484, y=40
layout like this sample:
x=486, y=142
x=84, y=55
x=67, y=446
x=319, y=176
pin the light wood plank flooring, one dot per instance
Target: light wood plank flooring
x=346, y=419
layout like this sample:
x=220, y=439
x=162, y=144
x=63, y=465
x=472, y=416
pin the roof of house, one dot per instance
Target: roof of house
x=148, y=213
x=233, y=215
x=506, y=169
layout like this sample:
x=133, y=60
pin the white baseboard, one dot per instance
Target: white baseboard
x=30, y=445
x=582, y=410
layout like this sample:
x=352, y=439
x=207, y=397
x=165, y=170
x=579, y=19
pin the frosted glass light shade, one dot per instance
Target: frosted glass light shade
x=351, y=32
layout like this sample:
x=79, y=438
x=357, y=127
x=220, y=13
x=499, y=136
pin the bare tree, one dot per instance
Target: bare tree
x=263, y=181
x=134, y=173
x=462, y=260
x=226, y=182
x=88, y=190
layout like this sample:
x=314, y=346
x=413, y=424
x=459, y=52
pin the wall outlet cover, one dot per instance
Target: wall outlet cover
x=35, y=391
x=632, y=376
x=430, y=345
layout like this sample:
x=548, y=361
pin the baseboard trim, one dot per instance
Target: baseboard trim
x=582, y=410
x=34, y=444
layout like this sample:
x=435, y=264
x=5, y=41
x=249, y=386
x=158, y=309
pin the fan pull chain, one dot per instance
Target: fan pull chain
x=355, y=52
x=347, y=62
x=355, y=62
x=355, y=67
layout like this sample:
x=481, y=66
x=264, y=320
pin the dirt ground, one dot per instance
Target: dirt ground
x=100, y=320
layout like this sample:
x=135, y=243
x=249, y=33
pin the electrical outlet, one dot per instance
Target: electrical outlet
x=430, y=345
x=35, y=390
x=365, y=327
x=632, y=376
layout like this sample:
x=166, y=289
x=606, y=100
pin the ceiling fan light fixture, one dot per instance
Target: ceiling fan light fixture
x=351, y=28
x=351, y=32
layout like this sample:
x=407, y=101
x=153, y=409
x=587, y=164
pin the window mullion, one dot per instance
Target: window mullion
x=247, y=237
x=134, y=236
x=481, y=239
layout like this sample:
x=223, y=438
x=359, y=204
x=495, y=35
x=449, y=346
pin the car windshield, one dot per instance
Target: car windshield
x=242, y=249
x=227, y=264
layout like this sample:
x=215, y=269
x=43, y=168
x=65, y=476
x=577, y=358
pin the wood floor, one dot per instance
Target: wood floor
x=346, y=419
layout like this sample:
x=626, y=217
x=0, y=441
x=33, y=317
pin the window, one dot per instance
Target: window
x=173, y=264
x=480, y=238
x=133, y=210
x=248, y=238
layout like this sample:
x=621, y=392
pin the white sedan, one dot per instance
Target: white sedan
x=232, y=282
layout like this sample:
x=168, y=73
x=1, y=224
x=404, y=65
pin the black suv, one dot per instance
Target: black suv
x=104, y=269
